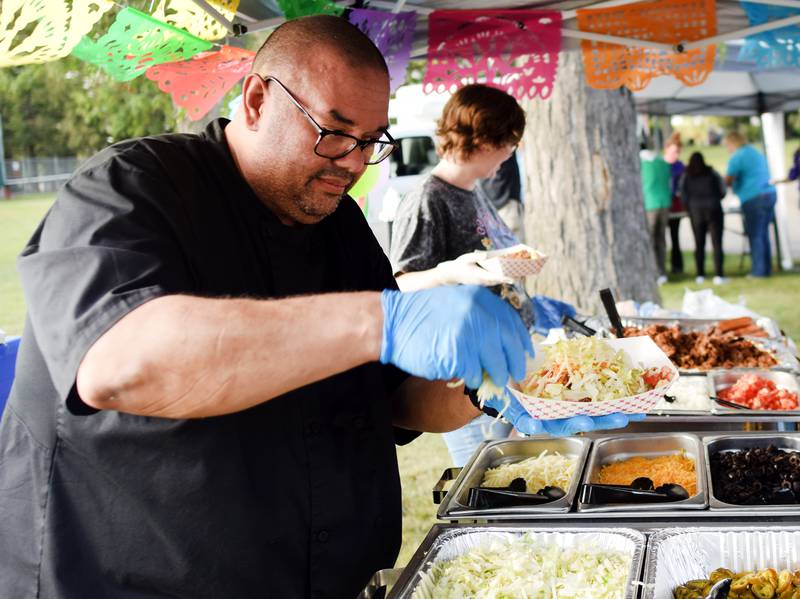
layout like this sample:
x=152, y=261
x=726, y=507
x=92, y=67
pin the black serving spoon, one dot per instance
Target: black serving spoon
x=641, y=490
x=515, y=494
x=720, y=590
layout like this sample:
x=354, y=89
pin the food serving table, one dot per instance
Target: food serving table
x=754, y=533
x=669, y=543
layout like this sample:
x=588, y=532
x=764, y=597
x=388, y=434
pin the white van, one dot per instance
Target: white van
x=415, y=114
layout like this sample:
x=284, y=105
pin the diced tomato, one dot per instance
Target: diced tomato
x=653, y=376
x=758, y=393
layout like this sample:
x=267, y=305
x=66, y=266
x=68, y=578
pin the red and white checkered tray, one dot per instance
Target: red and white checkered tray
x=516, y=268
x=642, y=350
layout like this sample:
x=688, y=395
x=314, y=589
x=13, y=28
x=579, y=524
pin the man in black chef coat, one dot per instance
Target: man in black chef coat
x=211, y=380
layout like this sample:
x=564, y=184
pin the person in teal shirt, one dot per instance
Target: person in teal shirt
x=748, y=174
x=657, y=188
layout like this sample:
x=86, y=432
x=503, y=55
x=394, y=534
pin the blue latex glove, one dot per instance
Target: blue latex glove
x=561, y=427
x=454, y=332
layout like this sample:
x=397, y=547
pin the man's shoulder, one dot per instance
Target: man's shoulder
x=145, y=153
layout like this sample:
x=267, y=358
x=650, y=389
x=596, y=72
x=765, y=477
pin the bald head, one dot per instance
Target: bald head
x=294, y=42
x=314, y=77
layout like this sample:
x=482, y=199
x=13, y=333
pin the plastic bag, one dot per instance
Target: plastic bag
x=547, y=313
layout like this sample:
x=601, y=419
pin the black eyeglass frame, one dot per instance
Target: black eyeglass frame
x=322, y=132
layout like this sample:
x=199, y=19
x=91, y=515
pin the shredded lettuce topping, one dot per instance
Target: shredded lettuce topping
x=589, y=369
x=523, y=567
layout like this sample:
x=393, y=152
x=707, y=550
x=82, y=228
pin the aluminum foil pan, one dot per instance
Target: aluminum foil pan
x=455, y=541
x=785, y=357
x=675, y=556
x=775, y=344
x=687, y=324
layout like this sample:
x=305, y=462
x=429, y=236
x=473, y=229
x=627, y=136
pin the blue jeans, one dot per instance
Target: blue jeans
x=758, y=213
x=462, y=442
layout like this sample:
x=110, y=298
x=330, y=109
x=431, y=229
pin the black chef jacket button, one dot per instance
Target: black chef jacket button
x=359, y=423
x=313, y=428
x=322, y=536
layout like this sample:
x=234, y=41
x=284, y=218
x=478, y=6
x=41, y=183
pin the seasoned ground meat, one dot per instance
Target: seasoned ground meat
x=705, y=350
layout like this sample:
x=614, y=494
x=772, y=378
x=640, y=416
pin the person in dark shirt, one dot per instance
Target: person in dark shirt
x=672, y=151
x=504, y=192
x=702, y=190
x=216, y=363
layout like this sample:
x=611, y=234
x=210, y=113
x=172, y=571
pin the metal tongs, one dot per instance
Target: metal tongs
x=575, y=326
x=722, y=402
x=641, y=490
x=611, y=310
x=514, y=494
x=729, y=404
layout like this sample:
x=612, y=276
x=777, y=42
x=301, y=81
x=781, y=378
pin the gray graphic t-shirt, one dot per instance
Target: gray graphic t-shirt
x=438, y=222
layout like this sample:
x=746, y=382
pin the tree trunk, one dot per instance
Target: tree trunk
x=583, y=202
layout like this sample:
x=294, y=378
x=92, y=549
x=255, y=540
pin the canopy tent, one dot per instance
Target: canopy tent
x=734, y=88
x=732, y=21
x=737, y=88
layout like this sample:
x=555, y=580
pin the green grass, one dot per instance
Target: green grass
x=717, y=156
x=19, y=217
x=421, y=462
x=773, y=297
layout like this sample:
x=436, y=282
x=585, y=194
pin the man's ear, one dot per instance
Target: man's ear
x=253, y=97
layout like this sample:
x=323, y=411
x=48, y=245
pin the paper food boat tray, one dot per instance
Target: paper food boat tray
x=642, y=351
x=516, y=268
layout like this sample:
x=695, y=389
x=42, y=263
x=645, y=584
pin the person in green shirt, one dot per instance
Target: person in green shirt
x=656, y=179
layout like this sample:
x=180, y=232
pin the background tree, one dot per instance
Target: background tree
x=72, y=108
x=584, y=204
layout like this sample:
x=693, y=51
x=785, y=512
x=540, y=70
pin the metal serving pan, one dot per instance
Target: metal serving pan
x=715, y=443
x=612, y=449
x=495, y=453
x=445, y=542
x=701, y=379
x=725, y=378
x=774, y=345
x=677, y=555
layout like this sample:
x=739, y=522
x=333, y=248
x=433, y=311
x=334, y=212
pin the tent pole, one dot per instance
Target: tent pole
x=571, y=14
x=620, y=41
x=214, y=14
x=740, y=34
x=772, y=129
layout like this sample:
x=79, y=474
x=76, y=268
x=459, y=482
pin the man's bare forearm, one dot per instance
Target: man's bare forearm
x=188, y=357
x=431, y=406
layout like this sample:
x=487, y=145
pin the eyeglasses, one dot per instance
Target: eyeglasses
x=337, y=144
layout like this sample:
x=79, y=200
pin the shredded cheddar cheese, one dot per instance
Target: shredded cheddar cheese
x=676, y=469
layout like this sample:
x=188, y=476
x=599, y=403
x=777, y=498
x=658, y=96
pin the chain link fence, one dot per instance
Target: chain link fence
x=37, y=175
